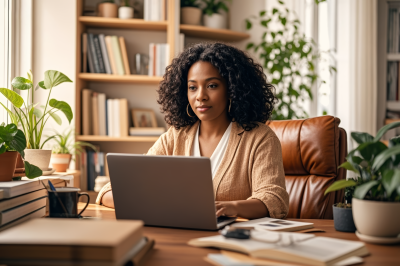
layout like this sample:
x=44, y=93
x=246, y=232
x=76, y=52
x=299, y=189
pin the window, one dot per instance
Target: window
x=4, y=54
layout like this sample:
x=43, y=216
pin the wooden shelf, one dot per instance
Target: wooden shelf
x=137, y=24
x=393, y=57
x=93, y=138
x=140, y=79
x=210, y=33
x=389, y=121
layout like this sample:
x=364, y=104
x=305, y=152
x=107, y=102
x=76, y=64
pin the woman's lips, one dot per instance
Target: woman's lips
x=203, y=108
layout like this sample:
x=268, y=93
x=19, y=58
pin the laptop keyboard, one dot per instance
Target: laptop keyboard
x=221, y=219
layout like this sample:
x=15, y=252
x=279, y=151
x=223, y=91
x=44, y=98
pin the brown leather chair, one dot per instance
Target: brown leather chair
x=312, y=150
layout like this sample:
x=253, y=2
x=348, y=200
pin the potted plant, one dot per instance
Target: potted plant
x=376, y=201
x=64, y=149
x=212, y=16
x=32, y=118
x=190, y=12
x=13, y=142
x=107, y=9
x=125, y=11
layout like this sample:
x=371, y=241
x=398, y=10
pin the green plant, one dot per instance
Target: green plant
x=30, y=117
x=126, y=3
x=66, y=145
x=189, y=3
x=214, y=6
x=289, y=58
x=13, y=139
x=376, y=165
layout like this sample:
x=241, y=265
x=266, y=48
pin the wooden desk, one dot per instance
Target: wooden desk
x=171, y=247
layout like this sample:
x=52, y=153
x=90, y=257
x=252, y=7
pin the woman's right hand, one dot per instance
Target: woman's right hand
x=108, y=200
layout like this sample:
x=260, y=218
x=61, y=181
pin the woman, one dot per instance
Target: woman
x=217, y=101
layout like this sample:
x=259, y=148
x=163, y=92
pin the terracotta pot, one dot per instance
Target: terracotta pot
x=20, y=162
x=191, y=15
x=216, y=21
x=60, y=162
x=376, y=218
x=107, y=10
x=40, y=158
x=7, y=165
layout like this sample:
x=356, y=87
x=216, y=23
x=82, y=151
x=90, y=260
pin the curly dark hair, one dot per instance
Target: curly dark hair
x=252, y=96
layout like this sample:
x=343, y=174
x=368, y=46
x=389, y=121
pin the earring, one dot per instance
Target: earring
x=230, y=103
x=187, y=110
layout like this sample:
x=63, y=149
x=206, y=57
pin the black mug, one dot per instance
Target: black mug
x=63, y=202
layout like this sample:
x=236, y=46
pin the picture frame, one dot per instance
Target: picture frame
x=143, y=118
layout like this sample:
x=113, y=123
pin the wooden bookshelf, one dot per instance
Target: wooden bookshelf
x=389, y=121
x=393, y=57
x=93, y=138
x=138, y=79
x=133, y=24
x=214, y=34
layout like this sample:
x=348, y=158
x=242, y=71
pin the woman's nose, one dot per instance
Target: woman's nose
x=201, y=94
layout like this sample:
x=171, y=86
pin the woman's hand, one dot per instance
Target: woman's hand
x=226, y=208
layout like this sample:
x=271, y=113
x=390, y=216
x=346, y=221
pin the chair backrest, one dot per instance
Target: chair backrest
x=312, y=150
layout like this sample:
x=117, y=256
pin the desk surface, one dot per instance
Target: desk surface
x=171, y=247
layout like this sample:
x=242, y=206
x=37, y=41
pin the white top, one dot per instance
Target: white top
x=218, y=154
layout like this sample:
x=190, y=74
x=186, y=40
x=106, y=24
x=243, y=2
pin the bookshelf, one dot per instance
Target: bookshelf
x=140, y=90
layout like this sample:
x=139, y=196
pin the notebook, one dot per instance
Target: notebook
x=273, y=224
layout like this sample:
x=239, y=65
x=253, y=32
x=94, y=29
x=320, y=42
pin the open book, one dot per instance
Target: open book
x=272, y=224
x=292, y=247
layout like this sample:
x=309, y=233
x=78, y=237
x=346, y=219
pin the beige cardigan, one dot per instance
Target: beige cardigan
x=252, y=166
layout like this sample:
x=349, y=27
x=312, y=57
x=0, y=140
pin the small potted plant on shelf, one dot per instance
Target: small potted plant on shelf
x=107, y=9
x=376, y=201
x=13, y=142
x=190, y=12
x=212, y=14
x=125, y=11
x=65, y=149
x=32, y=118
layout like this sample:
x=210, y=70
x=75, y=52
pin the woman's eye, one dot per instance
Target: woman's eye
x=212, y=86
x=192, y=88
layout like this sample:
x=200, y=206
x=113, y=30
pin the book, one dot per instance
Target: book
x=83, y=183
x=151, y=59
x=123, y=117
x=93, y=56
x=116, y=118
x=117, y=55
x=124, y=54
x=146, y=131
x=110, y=111
x=87, y=112
x=158, y=58
x=39, y=213
x=98, y=240
x=111, y=56
x=12, y=214
x=99, y=54
x=104, y=53
x=21, y=199
x=95, y=112
x=16, y=188
x=319, y=251
x=106, y=116
x=95, y=168
x=101, y=106
x=273, y=224
x=84, y=53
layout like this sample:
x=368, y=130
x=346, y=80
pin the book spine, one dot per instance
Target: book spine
x=83, y=182
x=106, y=116
x=124, y=122
x=84, y=53
x=101, y=100
x=111, y=55
x=116, y=118
x=110, y=111
x=86, y=112
x=95, y=112
x=158, y=60
x=118, y=55
x=151, y=56
x=105, y=53
x=92, y=52
x=124, y=55
x=99, y=55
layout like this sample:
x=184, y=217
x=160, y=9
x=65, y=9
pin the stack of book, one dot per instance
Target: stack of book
x=104, y=54
x=93, y=164
x=158, y=58
x=102, y=116
x=90, y=242
x=21, y=201
x=155, y=10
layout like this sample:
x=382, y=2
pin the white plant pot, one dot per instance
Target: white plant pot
x=216, y=21
x=376, y=218
x=125, y=12
x=191, y=15
x=39, y=158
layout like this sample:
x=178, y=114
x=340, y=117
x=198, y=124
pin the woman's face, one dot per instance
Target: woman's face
x=207, y=92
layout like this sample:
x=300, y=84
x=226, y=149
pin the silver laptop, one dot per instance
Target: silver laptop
x=170, y=191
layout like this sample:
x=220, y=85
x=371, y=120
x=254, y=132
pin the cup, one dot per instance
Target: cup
x=142, y=64
x=63, y=202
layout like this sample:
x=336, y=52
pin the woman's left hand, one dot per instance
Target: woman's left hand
x=226, y=208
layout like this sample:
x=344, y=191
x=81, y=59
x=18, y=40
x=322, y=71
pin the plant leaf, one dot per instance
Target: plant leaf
x=12, y=96
x=31, y=170
x=363, y=189
x=2, y=147
x=391, y=181
x=368, y=150
x=37, y=112
x=53, y=78
x=63, y=107
x=7, y=133
x=341, y=184
x=56, y=117
x=248, y=24
x=349, y=166
x=21, y=83
x=381, y=158
x=361, y=137
x=41, y=85
x=18, y=143
x=384, y=129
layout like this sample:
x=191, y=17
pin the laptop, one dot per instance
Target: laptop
x=167, y=191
